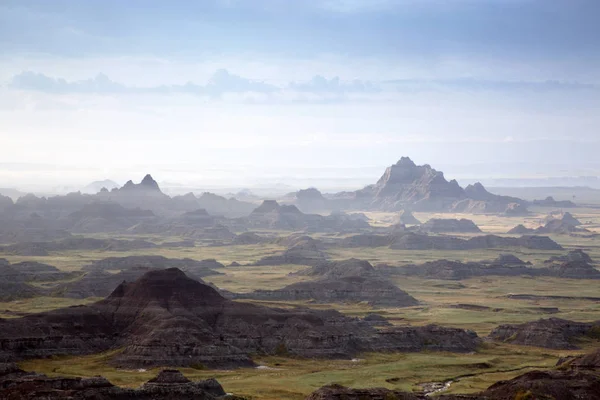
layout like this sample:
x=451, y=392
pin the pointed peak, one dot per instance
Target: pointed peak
x=405, y=162
x=267, y=206
x=167, y=285
x=149, y=182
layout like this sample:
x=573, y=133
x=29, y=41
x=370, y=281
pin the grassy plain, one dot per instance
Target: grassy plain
x=293, y=378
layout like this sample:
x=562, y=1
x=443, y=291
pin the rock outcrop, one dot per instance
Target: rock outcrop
x=75, y=243
x=520, y=230
x=574, y=255
x=249, y=238
x=574, y=379
x=550, y=202
x=311, y=200
x=103, y=276
x=339, y=392
x=574, y=270
x=422, y=188
x=16, y=384
x=166, y=318
x=555, y=223
x=405, y=217
x=340, y=269
x=439, y=225
x=565, y=217
x=552, y=333
x=502, y=266
x=199, y=268
x=303, y=252
x=16, y=279
x=376, y=292
x=13, y=285
x=272, y=215
x=508, y=260
x=30, y=271
x=570, y=384
x=105, y=217
x=415, y=241
x=227, y=207
x=346, y=281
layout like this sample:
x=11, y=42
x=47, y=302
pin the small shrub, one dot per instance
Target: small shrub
x=524, y=395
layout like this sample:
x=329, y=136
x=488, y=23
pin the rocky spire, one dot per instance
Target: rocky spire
x=149, y=182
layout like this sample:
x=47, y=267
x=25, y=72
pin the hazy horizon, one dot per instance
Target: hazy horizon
x=324, y=93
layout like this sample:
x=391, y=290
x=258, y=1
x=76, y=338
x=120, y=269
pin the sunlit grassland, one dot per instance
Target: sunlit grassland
x=39, y=304
x=439, y=300
x=73, y=260
x=294, y=378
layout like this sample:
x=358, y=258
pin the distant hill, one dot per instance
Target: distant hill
x=96, y=186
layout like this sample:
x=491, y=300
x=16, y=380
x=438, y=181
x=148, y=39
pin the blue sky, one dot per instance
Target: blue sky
x=242, y=90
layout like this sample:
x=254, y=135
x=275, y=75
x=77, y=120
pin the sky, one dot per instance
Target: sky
x=326, y=93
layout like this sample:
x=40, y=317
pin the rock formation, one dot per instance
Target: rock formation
x=339, y=392
x=574, y=379
x=502, y=266
x=219, y=205
x=565, y=217
x=585, y=361
x=550, y=202
x=520, y=230
x=508, y=260
x=552, y=333
x=311, y=200
x=340, y=269
x=166, y=318
x=574, y=255
x=272, y=215
x=101, y=277
x=556, y=223
x=249, y=238
x=455, y=270
x=569, y=384
x=574, y=270
x=75, y=243
x=5, y=203
x=16, y=384
x=405, y=217
x=373, y=291
x=438, y=225
x=105, y=217
x=422, y=188
x=340, y=281
x=32, y=271
x=415, y=241
x=197, y=268
x=303, y=252
x=13, y=283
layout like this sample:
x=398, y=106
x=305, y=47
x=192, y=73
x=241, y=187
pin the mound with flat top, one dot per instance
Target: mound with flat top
x=552, y=333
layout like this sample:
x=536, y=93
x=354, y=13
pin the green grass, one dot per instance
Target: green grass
x=74, y=260
x=293, y=378
x=39, y=304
